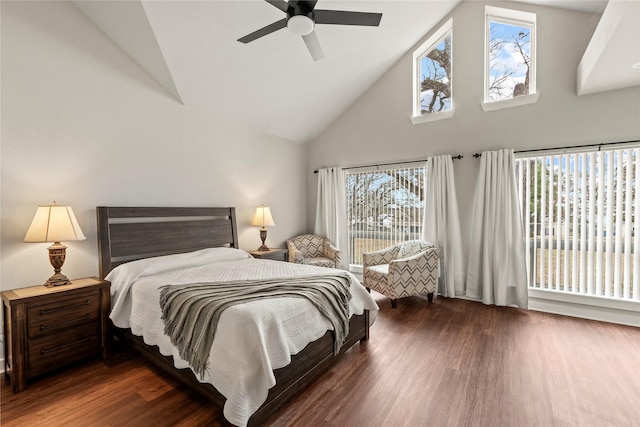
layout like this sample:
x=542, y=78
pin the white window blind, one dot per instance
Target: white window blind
x=384, y=207
x=580, y=213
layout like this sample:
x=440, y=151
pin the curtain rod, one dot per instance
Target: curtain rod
x=459, y=157
x=599, y=145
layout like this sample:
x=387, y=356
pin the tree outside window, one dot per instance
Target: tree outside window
x=435, y=78
x=509, y=61
x=510, y=54
x=432, y=71
x=384, y=207
x=580, y=215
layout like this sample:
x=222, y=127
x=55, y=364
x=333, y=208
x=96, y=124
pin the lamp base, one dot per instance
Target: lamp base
x=57, y=280
x=263, y=237
x=57, y=254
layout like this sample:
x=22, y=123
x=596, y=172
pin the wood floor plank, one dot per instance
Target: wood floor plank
x=449, y=363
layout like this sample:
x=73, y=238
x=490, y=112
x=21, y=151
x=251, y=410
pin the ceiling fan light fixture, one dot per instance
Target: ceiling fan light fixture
x=300, y=25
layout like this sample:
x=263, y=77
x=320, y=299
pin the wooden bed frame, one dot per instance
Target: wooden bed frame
x=130, y=233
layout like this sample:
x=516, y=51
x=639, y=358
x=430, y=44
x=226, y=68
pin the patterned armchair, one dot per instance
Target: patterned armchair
x=402, y=270
x=314, y=250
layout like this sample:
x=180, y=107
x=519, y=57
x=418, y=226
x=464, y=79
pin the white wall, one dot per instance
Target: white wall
x=82, y=124
x=376, y=128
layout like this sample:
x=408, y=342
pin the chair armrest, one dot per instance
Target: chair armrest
x=332, y=253
x=429, y=258
x=294, y=254
x=383, y=256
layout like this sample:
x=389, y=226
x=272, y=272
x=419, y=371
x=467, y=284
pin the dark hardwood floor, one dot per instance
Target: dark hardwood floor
x=449, y=363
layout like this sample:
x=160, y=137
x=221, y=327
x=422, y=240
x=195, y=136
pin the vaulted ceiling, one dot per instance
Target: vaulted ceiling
x=273, y=84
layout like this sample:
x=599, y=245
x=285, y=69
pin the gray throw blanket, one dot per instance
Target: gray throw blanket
x=191, y=312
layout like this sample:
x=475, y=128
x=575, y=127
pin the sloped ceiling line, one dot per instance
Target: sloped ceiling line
x=273, y=85
x=126, y=23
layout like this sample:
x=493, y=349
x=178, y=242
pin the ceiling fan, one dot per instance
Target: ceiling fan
x=302, y=18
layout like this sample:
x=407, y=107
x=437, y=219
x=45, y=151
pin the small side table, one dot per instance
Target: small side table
x=47, y=328
x=274, y=254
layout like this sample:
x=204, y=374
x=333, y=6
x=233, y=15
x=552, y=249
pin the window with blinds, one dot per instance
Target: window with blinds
x=384, y=207
x=580, y=214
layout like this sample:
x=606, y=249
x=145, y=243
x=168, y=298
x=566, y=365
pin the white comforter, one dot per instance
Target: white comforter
x=251, y=340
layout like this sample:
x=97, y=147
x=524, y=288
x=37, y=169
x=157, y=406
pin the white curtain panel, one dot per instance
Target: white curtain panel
x=497, y=269
x=441, y=224
x=331, y=210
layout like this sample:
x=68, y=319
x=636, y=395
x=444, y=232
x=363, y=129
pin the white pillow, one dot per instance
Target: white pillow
x=125, y=274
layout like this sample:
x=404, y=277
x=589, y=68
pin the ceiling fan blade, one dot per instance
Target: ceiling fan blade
x=341, y=17
x=313, y=44
x=280, y=4
x=278, y=25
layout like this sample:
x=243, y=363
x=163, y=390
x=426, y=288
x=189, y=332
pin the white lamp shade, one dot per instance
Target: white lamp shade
x=263, y=217
x=54, y=223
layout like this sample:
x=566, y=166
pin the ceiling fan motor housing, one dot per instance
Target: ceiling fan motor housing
x=300, y=20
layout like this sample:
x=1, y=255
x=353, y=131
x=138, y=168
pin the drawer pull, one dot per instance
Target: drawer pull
x=64, y=307
x=46, y=350
x=85, y=317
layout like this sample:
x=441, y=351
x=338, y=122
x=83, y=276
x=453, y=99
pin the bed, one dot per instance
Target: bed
x=132, y=236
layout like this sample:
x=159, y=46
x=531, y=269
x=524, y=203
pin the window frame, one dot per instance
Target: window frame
x=590, y=187
x=412, y=216
x=438, y=36
x=518, y=18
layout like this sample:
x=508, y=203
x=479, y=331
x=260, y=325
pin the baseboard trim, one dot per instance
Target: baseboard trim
x=585, y=307
x=565, y=304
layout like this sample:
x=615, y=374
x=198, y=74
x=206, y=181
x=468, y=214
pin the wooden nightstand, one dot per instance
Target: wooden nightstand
x=47, y=328
x=274, y=254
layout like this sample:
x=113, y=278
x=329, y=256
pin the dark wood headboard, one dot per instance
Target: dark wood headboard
x=130, y=233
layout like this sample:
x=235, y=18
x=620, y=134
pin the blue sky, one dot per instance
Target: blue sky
x=508, y=58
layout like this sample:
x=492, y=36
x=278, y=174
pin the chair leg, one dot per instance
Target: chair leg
x=394, y=303
x=430, y=296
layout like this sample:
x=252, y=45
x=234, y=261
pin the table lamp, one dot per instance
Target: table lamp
x=263, y=219
x=55, y=223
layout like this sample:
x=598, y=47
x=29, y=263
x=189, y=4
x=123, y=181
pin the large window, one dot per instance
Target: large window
x=384, y=207
x=432, y=81
x=580, y=213
x=510, y=63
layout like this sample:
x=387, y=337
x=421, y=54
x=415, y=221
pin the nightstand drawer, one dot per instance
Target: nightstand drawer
x=56, y=350
x=61, y=315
